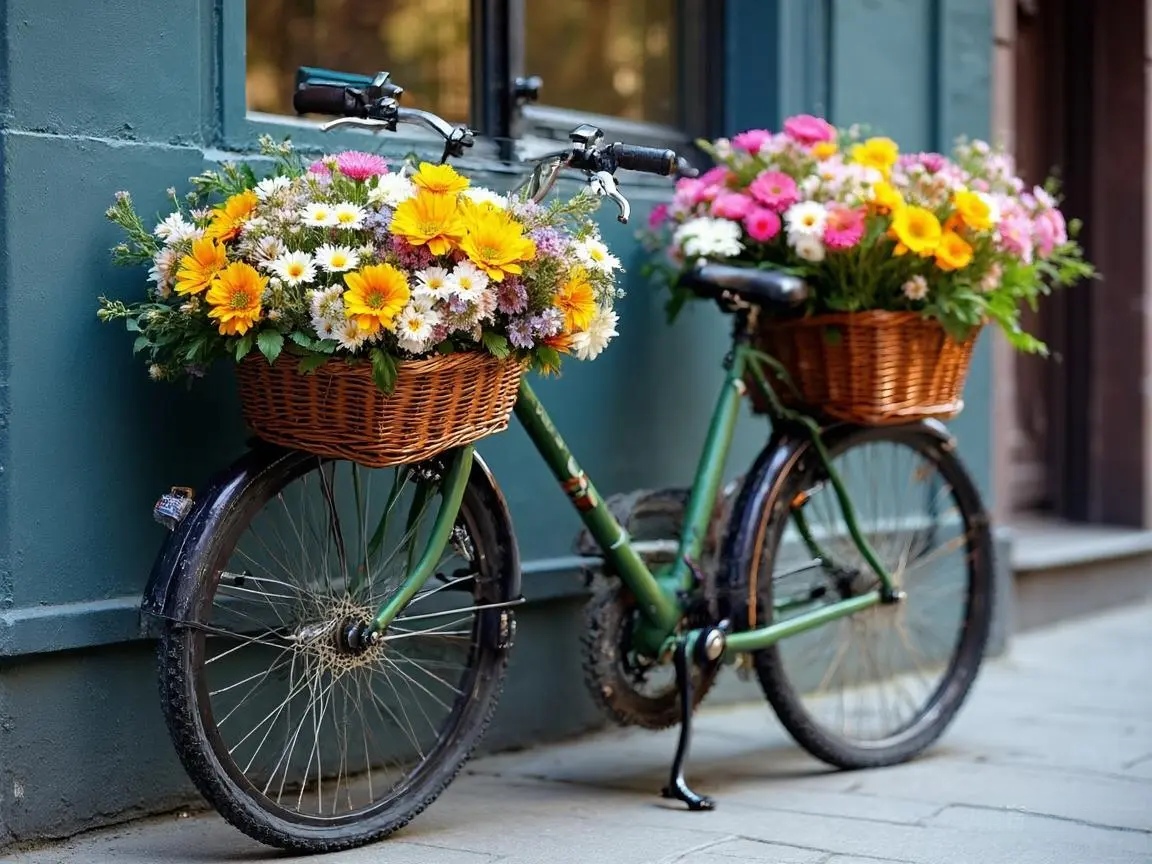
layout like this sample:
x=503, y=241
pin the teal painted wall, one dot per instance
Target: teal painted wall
x=138, y=95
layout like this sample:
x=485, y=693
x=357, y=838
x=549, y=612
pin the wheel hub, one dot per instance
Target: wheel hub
x=342, y=639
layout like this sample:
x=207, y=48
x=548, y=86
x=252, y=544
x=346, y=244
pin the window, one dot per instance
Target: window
x=423, y=43
x=649, y=64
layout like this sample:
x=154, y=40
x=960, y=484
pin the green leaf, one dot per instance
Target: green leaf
x=271, y=343
x=383, y=370
x=496, y=344
x=311, y=363
x=244, y=346
x=140, y=344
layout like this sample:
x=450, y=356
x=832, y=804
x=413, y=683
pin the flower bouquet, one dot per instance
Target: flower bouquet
x=907, y=256
x=374, y=314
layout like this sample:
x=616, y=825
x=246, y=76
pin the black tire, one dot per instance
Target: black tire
x=623, y=690
x=188, y=705
x=764, y=511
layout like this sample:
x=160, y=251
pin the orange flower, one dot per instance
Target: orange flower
x=429, y=219
x=577, y=301
x=376, y=295
x=953, y=253
x=494, y=241
x=235, y=298
x=228, y=219
x=441, y=179
x=198, y=269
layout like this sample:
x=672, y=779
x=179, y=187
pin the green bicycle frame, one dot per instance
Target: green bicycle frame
x=657, y=593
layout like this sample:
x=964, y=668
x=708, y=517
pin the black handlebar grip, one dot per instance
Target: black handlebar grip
x=325, y=99
x=650, y=160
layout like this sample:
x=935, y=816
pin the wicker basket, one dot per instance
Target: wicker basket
x=873, y=368
x=439, y=403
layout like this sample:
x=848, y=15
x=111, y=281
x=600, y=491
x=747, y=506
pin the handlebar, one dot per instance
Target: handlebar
x=365, y=102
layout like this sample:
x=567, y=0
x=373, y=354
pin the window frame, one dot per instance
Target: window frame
x=507, y=132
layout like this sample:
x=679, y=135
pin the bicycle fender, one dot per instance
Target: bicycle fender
x=168, y=595
x=169, y=589
x=763, y=487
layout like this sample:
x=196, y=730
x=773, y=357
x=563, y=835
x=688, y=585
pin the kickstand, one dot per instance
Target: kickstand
x=677, y=786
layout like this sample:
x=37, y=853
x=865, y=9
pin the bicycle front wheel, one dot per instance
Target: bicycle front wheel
x=880, y=686
x=298, y=731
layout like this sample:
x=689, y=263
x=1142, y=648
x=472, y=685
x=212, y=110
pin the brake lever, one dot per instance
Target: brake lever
x=603, y=183
x=358, y=123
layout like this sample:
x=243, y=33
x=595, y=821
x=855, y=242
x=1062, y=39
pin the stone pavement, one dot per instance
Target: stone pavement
x=1050, y=761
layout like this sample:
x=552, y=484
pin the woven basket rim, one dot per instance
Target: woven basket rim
x=421, y=364
x=871, y=318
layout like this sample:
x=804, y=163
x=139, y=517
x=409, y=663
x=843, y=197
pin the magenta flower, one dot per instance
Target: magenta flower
x=752, y=140
x=844, y=227
x=762, y=224
x=658, y=216
x=774, y=189
x=731, y=205
x=809, y=130
x=358, y=165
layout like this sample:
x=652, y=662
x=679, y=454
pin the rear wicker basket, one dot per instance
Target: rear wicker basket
x=338, y=411
x=872, y=368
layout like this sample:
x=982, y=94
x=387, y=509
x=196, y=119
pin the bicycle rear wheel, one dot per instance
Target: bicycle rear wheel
x=298, y=732
x=880, y=686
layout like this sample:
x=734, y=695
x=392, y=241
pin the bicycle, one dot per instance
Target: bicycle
x=311, y=650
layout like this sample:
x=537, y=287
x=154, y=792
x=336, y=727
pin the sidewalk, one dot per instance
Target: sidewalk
x=1049, y=763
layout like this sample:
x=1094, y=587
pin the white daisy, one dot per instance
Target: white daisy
x=486, y=196
x=294, y=268
x=807, y=218
x=413, y=330
x=808, y=247
x=270, y=186
x=390, y=190
x=267, y=249
x=703, y=237
x=433, y=283
x=326, y=305
x=319, y=214
x=325, y=328
x=595, y=255
x=349, y=215
x=587, y=344
x=163, y=269
x=468, y=281
x=915, y=288
x=175, y=228
x=349, y=334
x=337, y=259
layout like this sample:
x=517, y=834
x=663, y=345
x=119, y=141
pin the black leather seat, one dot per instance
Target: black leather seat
x=761, y=287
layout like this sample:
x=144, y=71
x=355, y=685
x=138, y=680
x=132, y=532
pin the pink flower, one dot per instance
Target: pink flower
x=358, y=165
x=752, y=140
x=717, y=176
x=809, y=130
x=844, y=227
x=774, y=189
x=762, y=224
x=658, y=216
x=318, y=167
x=1016, y=234
x=934, y=162
x=1049, y=231
x=731, y=205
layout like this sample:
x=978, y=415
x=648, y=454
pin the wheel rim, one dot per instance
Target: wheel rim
x=314, y=724
x=879, y=676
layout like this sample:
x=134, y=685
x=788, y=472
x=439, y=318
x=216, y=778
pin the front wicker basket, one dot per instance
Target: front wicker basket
x=872, y=368
x=338, y=411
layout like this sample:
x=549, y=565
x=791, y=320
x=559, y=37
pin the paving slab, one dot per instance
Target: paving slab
x=1049, y=763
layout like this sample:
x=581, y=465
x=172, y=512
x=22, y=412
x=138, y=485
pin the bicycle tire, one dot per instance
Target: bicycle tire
x=189, y=718
x=763, y=512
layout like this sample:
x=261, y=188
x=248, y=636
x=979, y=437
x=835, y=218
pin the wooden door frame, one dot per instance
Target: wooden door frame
x=1101, y=414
